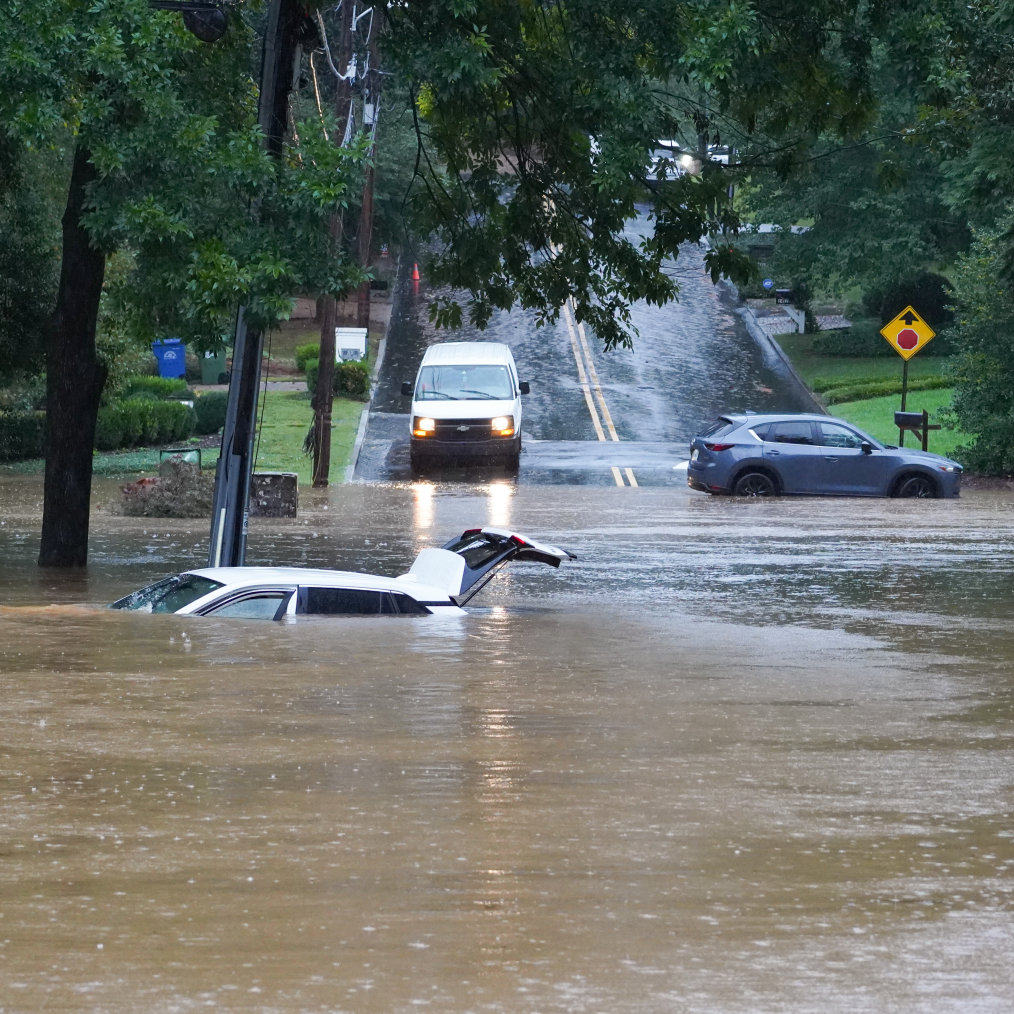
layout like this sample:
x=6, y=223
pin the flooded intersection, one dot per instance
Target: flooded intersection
x=737, y=757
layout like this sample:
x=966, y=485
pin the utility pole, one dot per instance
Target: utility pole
x=323, y=397
x=235, y=461
x=371, y=117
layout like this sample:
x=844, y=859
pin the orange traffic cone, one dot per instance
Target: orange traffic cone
x=415, y=273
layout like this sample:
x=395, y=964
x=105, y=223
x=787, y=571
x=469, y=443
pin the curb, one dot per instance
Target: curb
x=762, y=337
x=364, y=418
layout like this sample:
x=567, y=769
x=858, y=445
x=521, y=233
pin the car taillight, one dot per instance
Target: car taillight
x=718, y=447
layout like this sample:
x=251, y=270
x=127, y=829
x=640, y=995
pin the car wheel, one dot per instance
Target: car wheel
x=921, y=486
x=418, y=463
x=755, y=484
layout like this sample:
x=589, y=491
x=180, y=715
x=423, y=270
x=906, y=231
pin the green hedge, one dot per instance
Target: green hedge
x=210, y=409
x=138, y=422
x=156, y=387
x=834, y=392
x=22, y=435
x=351, y=380
x=304, y=353
x=864, y=339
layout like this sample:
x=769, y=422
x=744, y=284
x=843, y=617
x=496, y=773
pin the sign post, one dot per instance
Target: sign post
x=907, y=334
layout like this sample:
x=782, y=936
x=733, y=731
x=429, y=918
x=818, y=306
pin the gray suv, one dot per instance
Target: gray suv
x=772, y=455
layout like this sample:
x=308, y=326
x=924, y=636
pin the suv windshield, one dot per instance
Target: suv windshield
x=464, y=383
x=168, y=595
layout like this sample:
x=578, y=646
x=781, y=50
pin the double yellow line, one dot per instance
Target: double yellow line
x=583, y=356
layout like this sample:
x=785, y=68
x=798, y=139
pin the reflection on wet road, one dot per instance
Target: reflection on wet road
x=738, y=757
x=691, y=361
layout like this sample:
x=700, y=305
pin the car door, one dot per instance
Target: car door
x=465, y=565
x=790, y=447
x=847, y=470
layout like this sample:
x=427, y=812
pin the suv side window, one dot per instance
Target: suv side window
x=356, y=602
x=835, y=435
x=796, y=431
x=260, y=606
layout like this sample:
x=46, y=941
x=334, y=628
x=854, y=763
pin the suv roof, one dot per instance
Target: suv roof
x=467, y=354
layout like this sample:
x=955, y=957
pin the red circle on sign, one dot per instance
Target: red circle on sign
x=908, y=339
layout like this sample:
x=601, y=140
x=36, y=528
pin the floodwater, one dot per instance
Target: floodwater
x=738, y=757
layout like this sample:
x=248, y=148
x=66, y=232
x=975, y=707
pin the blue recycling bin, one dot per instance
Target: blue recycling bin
x=171, y=354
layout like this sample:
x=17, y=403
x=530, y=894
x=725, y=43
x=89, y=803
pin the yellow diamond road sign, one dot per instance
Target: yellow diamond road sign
x=908, y=333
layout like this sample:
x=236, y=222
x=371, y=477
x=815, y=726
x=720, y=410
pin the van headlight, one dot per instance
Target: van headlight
x=502, y=426
x=424, y=427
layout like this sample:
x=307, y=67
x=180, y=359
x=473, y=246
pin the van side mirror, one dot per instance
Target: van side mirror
x=867, y=447
x=406, y=388
x=524, y=387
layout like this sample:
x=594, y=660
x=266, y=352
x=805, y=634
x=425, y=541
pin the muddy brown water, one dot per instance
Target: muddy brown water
x=738, y=757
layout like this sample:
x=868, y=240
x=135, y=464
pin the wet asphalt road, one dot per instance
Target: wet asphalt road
x=691, y=361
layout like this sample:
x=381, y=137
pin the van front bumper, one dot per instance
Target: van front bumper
x=488, y=449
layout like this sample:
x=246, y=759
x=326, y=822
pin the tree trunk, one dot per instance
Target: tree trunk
x=74, y=380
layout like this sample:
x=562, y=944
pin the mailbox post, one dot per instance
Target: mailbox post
x=917, y=423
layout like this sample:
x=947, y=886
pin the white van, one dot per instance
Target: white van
x=466, y=405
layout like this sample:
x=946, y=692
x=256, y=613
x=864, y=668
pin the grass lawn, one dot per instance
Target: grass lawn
x=809, y=365
x=876, y=417
x=287, y=418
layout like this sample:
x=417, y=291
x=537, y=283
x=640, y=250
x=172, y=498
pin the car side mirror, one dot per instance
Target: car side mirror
x=406, y=388
x=867, y=447
x=524, y=387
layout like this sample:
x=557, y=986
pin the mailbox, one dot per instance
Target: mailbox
x=909, y=420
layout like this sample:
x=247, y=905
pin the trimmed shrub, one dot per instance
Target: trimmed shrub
x=862, y=339
x=171, y=421
x=139, y=422
x=210, y=411
x=22, y=435
x=861, y=390
x=304, y=353
x=352, y=380
x=109, y=428
x=156, y=387
x=312, y=368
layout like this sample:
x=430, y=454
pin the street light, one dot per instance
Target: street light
x=206, y=20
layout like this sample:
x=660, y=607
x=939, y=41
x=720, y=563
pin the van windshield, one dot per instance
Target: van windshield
x=464, y=383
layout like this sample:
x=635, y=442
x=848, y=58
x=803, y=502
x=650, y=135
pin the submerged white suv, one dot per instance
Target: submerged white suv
x=466, y=405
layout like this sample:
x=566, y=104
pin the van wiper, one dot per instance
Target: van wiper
x=485, y=394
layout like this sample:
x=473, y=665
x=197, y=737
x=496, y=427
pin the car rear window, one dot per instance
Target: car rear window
x=479, y=548
x=719, y=428
x=168, y=595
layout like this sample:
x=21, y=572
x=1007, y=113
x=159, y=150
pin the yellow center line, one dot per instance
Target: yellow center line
x=593, y=373
x=600, y=433
x=630, y=476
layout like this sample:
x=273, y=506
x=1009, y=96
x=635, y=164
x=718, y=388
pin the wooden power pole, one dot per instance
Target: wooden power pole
x=323, y=397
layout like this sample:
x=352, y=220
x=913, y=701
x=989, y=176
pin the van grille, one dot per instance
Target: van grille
x=463, y=429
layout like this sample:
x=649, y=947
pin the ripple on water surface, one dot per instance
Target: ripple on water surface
x=739, y=757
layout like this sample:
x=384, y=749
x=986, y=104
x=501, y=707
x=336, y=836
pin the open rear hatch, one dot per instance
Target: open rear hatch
x=466, y=564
